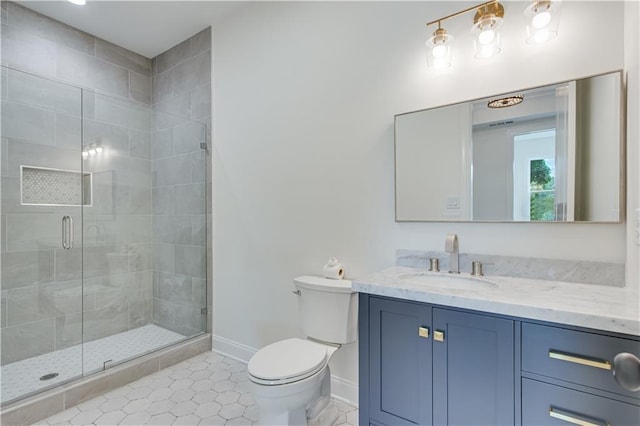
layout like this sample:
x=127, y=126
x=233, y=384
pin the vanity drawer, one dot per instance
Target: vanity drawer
x=545, y=404
x=575, y=356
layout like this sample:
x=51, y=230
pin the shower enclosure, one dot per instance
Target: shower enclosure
x=103, y=232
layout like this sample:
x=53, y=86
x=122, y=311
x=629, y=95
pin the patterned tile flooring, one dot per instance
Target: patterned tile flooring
x=208, y=389
x=22, y=377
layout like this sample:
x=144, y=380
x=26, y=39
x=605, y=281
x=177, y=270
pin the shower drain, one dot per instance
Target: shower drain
x=49, y=376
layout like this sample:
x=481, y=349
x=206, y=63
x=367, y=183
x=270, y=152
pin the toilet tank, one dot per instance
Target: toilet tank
x=328, y=309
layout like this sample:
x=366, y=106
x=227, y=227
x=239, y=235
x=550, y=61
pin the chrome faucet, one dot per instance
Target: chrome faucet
x=451, y=246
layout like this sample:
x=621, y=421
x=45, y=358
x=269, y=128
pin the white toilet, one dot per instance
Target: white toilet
x=290, y=380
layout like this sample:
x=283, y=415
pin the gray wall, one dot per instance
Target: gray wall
x=181, y=93
x=41, y=286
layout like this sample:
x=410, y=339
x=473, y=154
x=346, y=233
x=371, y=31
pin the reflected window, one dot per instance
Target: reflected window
x=534, y=176
x=542, y=191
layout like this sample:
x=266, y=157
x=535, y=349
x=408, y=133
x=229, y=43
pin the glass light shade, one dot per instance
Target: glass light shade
x=543, y=17
x=99, y=149
x=439, y=48
x=486, y=36
x=85, y=154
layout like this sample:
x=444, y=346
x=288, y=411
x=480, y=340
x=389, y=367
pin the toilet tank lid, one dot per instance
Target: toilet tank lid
x=323, y=284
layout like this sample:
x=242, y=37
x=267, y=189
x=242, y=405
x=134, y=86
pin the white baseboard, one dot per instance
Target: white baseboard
x=342, y=390
x=235, y=350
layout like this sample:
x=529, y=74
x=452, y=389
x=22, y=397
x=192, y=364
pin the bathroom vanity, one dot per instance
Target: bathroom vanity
x=437, y=349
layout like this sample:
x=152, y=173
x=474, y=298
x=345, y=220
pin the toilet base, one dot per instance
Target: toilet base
x=327, y=417
x=307, y=402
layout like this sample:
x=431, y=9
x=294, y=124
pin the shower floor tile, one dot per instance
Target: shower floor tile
x=23, y=377
x=208, y=389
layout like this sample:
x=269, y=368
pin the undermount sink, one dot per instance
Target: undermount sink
x=444, y=279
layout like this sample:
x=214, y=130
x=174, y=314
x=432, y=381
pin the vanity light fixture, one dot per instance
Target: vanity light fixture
x=486, y=30
x=542, y=20
x=439, y=48
x=487, y=42
x=542, y=25
x=505, y=102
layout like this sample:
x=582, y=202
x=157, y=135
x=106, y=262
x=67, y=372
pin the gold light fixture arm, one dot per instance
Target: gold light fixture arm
x=437, y=21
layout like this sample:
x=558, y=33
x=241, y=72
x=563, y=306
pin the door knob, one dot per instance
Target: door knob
x=626, y=370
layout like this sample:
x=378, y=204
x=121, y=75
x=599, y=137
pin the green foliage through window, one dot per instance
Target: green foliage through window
x=542, y=191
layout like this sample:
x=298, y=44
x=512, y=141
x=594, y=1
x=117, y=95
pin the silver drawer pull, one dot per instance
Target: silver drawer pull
x=591, y=362
x=562, y=415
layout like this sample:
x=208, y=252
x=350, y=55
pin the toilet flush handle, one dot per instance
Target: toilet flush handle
x=296, y=292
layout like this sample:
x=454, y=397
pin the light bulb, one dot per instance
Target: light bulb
x=541, y=20
x=486, y=51
x=78, y=2
x=486, y=36
x=439, y=51
x=99, y=149
x=542, y=36
x=92, y=151
x=85, y=154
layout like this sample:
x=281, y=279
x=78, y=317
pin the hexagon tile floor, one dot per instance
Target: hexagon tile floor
x=208, y=389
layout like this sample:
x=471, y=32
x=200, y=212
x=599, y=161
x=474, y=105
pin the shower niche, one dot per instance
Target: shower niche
x=40, y=186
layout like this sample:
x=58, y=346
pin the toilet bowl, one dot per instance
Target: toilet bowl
x=290, y=380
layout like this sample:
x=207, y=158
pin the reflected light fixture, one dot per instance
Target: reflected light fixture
x=542, y=20
x=486, y=30
x=78, y=2
x=505, y=102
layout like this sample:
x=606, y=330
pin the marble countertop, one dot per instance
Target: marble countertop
x=606, y=308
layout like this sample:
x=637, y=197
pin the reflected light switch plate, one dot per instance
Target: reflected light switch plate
x=453, y=203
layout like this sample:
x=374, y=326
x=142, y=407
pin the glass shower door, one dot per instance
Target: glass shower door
x=43, y=190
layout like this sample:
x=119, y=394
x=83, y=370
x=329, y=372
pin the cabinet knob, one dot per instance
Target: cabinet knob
x=438, y=336
x=626, y=370
x=423, y=332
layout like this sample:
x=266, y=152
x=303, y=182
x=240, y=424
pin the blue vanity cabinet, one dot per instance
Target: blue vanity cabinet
x=473, y=369
x=399, y=362
x=423, y=365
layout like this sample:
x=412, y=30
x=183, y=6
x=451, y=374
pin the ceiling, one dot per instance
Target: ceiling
x=146, y=27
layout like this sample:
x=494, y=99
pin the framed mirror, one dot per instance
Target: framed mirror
x=546, y=154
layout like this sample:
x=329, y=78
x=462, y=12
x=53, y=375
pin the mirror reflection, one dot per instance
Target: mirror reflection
x=549, y=154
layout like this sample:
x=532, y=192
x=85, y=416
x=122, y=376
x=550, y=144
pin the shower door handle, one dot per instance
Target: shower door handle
x=67, y=232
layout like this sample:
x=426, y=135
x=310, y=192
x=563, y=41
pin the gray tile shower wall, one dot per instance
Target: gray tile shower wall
x=181, y=95
x=42, y=295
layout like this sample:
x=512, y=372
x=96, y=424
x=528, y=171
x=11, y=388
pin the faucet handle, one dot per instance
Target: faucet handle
x=476, y=268
x=434, y=264
x=451, y=243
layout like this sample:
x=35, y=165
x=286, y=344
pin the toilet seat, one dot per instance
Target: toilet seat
x=287, y=361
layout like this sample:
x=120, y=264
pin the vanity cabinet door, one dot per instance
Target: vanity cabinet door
x=400, y=362
x=473, y=369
